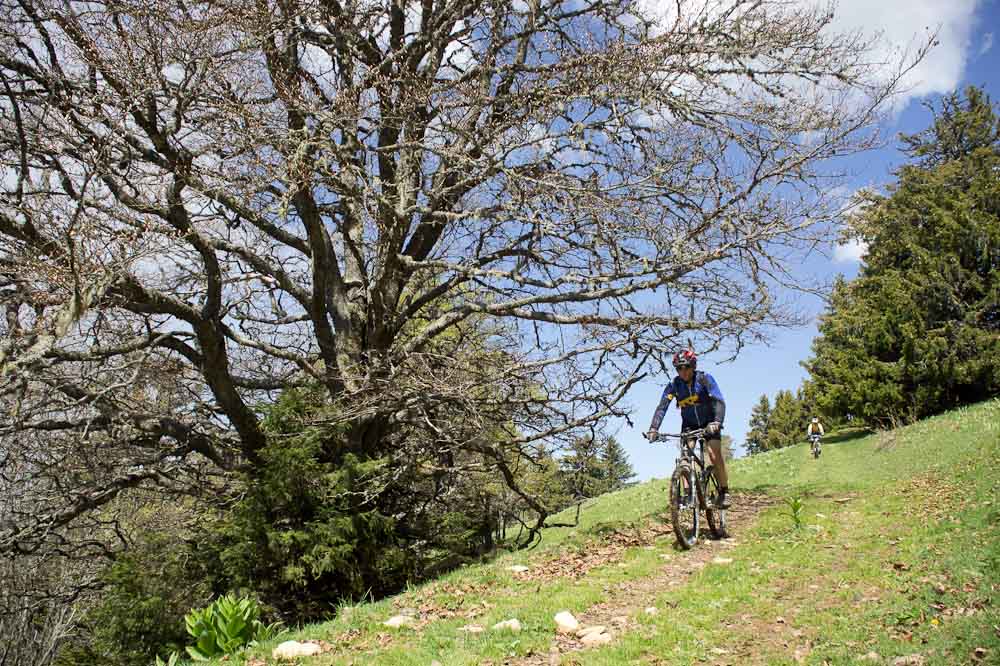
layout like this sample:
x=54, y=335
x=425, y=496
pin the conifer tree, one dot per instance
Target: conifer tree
x=917, y=332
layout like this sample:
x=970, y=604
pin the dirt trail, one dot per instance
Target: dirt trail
x=629, y=600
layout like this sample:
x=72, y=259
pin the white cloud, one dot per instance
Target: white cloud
x=174, y=73
x=904, y=24
x=987, y=43
x=852, y=250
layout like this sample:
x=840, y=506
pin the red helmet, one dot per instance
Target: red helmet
x=685, y=357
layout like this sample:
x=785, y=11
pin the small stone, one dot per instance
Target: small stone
x=472, y=629
x=397, y=621
x=871, y=656
x=619, y=620
x=719, y=651
x=585, y=631
x=909, y=660
x=652, y=610
x=596, y=639
x=722, y=560
x=435, y=663
x=508, y=625
x=518, y=568
x=294, y=649
x=566, y=623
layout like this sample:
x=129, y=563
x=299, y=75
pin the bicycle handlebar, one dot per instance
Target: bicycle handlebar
x=690, y=434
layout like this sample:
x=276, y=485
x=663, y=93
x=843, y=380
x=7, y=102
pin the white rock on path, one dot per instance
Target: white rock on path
x=596, y=629
x=723, y=560
x=566, y=623
x=652, y=610
x=508, y=625
x=294, y=649
x=397, y=621
x=518, y=568
x=596, y=638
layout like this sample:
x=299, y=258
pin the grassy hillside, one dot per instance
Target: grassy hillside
x=893, y=557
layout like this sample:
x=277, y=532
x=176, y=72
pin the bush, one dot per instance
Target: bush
x=140, y=614
x=305, y=535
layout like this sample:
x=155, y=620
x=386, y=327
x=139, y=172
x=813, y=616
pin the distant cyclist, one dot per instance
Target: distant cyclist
x=702, y=406
x=814, y=431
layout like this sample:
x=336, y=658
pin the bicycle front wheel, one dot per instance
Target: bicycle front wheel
x=684, y=506
x=716, y=516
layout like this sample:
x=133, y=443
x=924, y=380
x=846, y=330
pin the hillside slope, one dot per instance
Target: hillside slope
x=895, y=560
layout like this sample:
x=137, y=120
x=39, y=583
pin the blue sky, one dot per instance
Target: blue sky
x=966, y=55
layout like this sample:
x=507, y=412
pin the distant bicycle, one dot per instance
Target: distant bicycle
x=693, y=486
x=814, y=445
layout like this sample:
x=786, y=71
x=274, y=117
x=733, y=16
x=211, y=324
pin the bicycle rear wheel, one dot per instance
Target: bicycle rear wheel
x=716, y=516
x=684, y=506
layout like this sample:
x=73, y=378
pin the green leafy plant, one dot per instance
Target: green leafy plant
x=795, y=507
x=172, y=660
x=225, y=626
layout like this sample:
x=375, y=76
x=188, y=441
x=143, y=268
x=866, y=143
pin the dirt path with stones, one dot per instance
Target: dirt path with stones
x=629, y=600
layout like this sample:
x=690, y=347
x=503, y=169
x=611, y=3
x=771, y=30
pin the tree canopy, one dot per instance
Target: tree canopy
x=442, y=238
x=779, y=426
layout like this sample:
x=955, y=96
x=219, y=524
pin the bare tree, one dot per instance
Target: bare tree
x=493, y=213
x=37, y=613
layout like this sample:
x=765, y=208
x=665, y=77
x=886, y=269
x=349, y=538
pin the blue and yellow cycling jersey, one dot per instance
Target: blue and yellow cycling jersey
x=697, y=402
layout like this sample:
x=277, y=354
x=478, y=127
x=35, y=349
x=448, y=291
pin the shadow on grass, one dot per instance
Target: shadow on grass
x=846, y=435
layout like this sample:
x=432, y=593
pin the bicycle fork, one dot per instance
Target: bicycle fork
x=688, y=498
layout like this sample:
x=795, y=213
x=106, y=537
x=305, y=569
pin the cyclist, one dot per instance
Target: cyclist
x=814, y=431
x=815, y=427
x=702, y=406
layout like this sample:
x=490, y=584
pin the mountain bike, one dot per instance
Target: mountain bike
x=693, y=487
x=814, y=445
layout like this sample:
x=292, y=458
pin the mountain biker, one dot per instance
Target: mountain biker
x=701, y=403
x=814, y=428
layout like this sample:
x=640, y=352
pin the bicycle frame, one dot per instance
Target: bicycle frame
x=687, y=441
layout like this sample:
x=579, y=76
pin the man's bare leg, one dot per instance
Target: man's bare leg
x=718, y=462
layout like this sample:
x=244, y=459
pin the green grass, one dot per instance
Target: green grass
x=898, y=554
